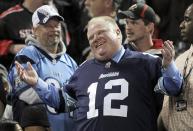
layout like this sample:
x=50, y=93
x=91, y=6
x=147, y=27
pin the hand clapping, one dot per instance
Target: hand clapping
x=28, y=75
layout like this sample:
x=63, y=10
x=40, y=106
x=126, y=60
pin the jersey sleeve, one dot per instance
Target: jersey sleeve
x=20, y=89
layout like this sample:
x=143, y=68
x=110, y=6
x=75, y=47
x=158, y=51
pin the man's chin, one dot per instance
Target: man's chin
x=101, y=58
x=54, y=41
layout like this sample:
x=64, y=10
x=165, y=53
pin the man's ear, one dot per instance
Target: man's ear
x=150, y=27
x=118, y=32
x=34, y=31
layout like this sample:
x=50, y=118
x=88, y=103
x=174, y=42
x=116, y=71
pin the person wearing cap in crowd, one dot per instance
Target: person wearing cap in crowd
x=140, y=21
x=13, y=33
x=111, y=93
x=15, y=26
x=47, y=54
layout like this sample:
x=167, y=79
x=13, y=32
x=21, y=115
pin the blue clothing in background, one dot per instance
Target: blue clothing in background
x=54, y=70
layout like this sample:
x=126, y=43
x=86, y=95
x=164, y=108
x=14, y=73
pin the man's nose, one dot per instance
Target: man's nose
x=128, y=26
x=95, y=38
x=181, y=24
x=56, y=28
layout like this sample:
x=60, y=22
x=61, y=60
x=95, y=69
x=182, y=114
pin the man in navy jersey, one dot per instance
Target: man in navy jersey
x=115, y=90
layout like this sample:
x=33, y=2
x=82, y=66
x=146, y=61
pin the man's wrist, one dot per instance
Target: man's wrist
x=35, y=82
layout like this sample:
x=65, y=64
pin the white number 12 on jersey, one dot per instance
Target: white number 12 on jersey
x=107, y=109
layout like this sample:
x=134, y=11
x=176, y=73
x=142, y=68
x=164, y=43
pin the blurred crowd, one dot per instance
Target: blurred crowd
x=75, y=13
x=16, y=26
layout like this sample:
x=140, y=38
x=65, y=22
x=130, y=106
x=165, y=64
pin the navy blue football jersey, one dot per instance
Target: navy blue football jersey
x=116, y=96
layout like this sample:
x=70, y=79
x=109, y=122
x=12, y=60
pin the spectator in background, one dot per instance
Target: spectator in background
x=47, y=52
x=4, y=88
x=5, y=4
x=140, y=21
x=112, y=93
x=109, y=8
x=15, y=26
x=82, y=11
x=9, y=125
x=34, y=118
x=75, y=19
x=171, y=14
x=5, y=98
x=177, y=110
x=104, y=8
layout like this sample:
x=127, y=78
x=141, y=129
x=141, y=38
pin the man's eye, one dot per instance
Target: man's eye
x=100, y=32
x=133, y=22
x=187, y=19
x=91, y=38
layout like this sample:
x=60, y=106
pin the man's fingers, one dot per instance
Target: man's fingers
x=17, y=65
x=169, y=44
x=166, y=52
x=163, y=52
x=29, y=66
x=169, y=48
x=19, y=68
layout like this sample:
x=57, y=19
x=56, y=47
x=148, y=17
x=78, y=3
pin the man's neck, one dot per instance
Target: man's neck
x=51, y=49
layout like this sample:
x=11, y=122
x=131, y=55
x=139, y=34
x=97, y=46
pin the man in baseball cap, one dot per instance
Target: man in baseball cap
x=140, y=21
x=45, y=13
x=45, y=47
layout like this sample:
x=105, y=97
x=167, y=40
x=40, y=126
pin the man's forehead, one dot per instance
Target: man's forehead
x=96, y=26
x=133, y=20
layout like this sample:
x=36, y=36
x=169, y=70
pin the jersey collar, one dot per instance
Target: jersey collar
x=118, y=55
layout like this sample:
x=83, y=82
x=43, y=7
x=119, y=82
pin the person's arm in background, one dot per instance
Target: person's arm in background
x=4, y=43
x=7, y=45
